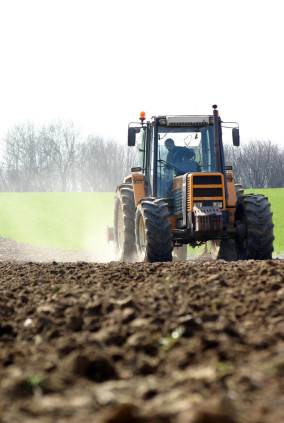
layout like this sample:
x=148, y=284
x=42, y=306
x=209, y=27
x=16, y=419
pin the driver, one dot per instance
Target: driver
x=178, y=154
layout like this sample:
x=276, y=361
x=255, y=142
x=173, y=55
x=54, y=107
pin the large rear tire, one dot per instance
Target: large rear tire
x=153, y=231
x=124, y=214
x=254, y=211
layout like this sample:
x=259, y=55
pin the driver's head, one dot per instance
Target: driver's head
x=169, y=144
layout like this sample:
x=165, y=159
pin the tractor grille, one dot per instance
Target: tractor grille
x=205, y=186
x=207, y=192
x=205, y=180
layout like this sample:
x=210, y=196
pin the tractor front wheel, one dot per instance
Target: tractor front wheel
x=124, y=213
x=153, y=231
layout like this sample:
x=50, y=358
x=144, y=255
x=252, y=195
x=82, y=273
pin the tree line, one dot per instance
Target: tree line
x=56, y=157
x=257, y=164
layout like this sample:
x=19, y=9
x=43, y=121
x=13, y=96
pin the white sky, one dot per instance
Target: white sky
x=100, y=63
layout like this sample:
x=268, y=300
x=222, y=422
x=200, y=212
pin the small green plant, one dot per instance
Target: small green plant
x=224, y=366
x=56, y=289
x=32, y=382
x=170, y=340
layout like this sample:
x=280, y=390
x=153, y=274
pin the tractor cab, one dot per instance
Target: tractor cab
x=172, y=146
x=182, y=150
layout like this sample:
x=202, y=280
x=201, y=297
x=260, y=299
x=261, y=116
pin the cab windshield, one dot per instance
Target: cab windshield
x=183, y=150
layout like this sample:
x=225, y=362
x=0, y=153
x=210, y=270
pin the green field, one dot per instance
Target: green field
x=77, y=221
x=68, y=221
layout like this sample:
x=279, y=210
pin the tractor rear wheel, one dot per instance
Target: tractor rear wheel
x=254, y=211
x=124, y=213
x=153, y=231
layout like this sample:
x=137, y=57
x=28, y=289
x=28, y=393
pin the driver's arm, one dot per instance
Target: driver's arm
x=189, y=154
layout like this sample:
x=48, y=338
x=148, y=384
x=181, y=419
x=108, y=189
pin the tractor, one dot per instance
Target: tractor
x=182, y=193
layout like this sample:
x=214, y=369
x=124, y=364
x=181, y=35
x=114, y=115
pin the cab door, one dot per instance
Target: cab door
x=145, y=156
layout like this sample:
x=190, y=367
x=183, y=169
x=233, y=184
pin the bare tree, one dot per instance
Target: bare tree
x=60, y=147
x=257, y=164
x=104, y=163
x=56, y=158
x=22, y=158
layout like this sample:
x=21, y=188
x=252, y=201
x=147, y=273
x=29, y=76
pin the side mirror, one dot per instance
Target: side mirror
x=131, y=136
x=236, y=137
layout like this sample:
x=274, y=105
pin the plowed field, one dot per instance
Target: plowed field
x=192, y=342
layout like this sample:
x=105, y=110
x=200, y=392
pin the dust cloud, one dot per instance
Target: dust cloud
x=92, y=239
x=16, y=252
x=96, y=247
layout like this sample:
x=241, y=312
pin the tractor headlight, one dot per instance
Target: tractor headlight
x=218, y=204
x=197, y=204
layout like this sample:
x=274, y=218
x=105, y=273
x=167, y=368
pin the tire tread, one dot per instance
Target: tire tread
x=158, y=230
x=259, y=241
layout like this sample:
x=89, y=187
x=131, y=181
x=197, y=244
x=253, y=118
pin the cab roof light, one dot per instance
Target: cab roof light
x=142, y=116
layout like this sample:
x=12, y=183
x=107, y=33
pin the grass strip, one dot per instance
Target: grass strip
x=77, y=221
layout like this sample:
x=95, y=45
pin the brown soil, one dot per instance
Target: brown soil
x=194, y=342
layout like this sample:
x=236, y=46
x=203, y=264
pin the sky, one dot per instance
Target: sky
x=99, y=63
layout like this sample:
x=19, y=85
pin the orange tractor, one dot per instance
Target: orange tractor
x=181, y=193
